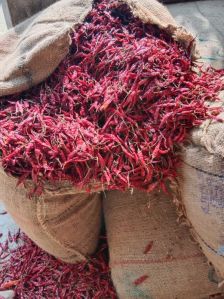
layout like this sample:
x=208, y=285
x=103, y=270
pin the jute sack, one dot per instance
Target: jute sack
x=202, y=193
x=151, y=255
x=63, y=221
x=201, y=187
x=31, y=51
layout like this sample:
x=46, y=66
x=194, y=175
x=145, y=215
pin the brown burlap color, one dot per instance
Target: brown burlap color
x=151, y=255
x=63, y=221
x=202, y=189
x=31, y=51
x=210, y=134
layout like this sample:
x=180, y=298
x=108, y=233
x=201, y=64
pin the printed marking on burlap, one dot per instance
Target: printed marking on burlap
x=211, y=196
x=212, y=193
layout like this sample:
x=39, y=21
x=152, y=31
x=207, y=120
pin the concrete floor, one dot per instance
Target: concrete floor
x=5, y=20
x=205, y=20
x=3, y=26
x=6, y=224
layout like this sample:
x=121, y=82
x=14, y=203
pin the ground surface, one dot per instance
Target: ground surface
x=205, y=20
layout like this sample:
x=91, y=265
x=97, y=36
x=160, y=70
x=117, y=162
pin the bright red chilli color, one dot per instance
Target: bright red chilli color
x=140, y=280
x=33, y=273
x=113, y=112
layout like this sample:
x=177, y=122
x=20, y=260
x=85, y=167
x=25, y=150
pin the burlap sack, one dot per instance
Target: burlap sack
x=31, y=51
x=63, y=221
x=202, y=193
x=151, y=255
x=202, y=189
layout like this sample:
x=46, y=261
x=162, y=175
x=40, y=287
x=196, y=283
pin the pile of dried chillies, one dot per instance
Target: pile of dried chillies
x=33, y=273
x=113, y=111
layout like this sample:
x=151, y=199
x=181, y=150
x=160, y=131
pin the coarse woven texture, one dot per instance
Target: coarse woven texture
x=151, y=256
x=202, y=188
x=210, y=134
x=31, y=51
x=63, y=221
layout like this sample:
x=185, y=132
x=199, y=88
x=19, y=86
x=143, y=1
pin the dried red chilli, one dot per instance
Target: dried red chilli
x=140, y=280
x=148, y=248
x=33, y=273
x=113, y=112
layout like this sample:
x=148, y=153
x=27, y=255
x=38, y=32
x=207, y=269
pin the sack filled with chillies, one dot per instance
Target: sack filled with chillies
x=94, y=96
